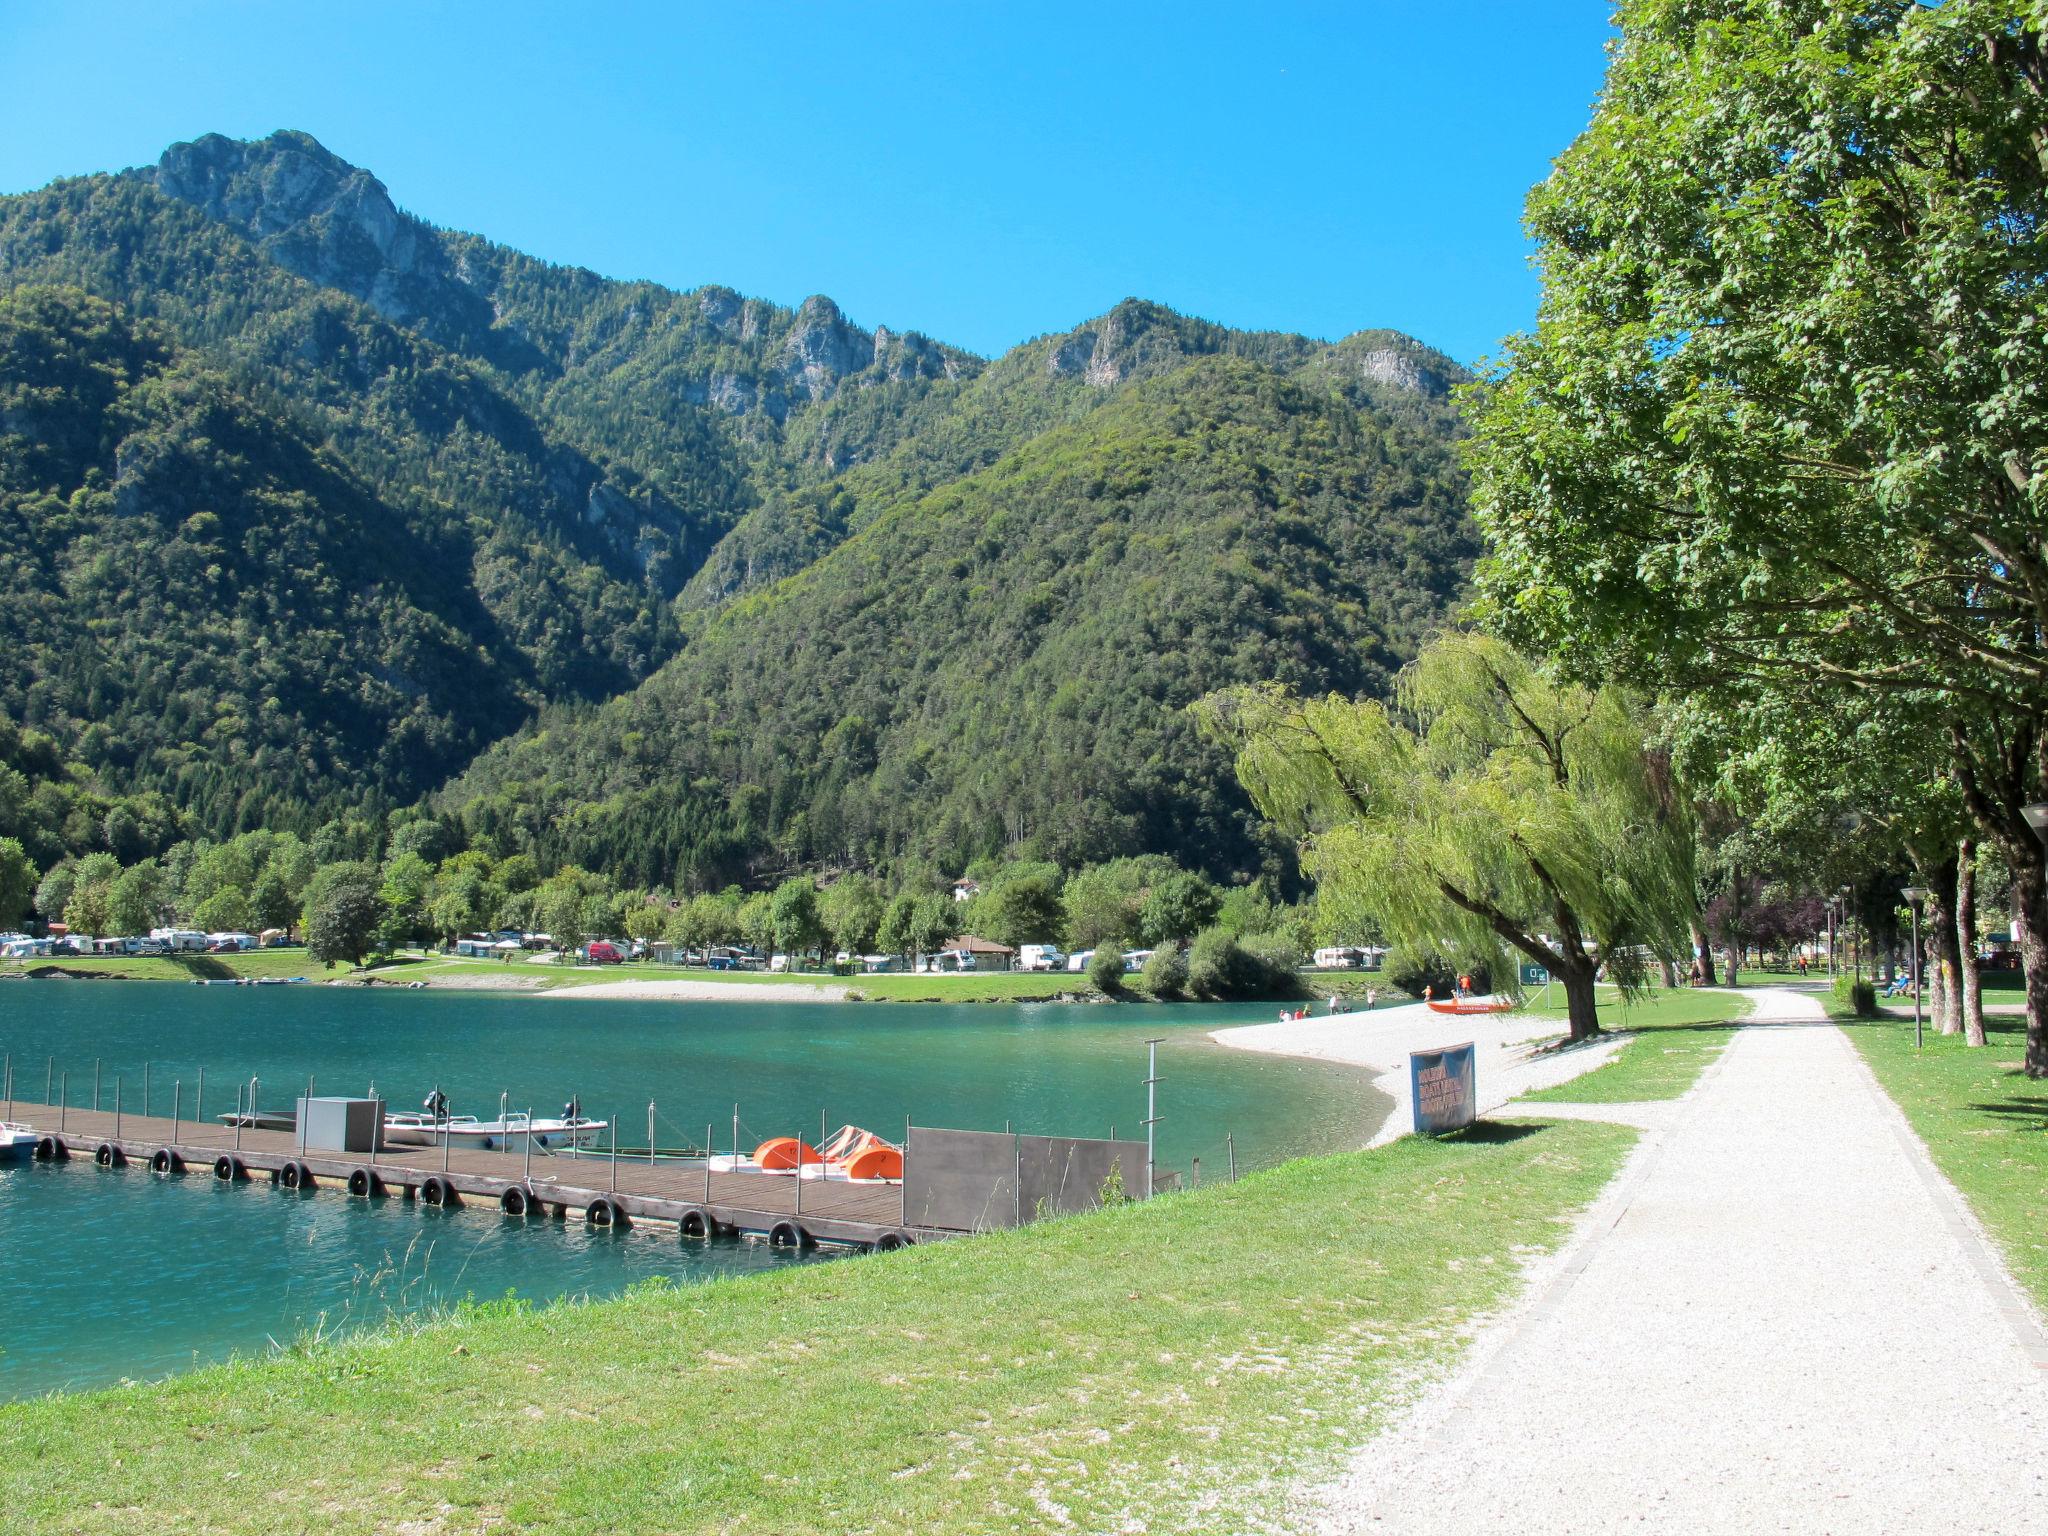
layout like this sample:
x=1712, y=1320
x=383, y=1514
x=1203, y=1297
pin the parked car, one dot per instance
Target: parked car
x=603, y=952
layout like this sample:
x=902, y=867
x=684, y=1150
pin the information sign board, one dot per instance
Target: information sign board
x=1443, y=1085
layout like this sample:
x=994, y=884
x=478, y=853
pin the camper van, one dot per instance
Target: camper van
x=180, y=940
x=1041, y=957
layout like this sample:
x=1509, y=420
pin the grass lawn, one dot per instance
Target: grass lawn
x=1166, y=1368
x=258, y=962
x=1984, y=1122
x=1677, y=1034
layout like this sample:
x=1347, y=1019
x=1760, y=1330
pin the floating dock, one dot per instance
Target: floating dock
x=601, y=1190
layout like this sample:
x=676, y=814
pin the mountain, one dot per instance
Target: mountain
x=310, y=503
x=1004, y=662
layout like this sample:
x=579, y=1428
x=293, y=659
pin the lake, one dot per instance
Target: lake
x=154, y=1275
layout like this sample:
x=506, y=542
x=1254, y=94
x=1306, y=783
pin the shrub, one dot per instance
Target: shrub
x=1166, y=973
x=1106, y=970
x=1277, y=952
x=1219, y=967
x=1859, y=997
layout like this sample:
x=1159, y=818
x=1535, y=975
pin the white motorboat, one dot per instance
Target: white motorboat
x=507, y=1133
x=16, y=1141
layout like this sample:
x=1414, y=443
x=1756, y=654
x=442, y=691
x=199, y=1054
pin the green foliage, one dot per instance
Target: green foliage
x=1166, y=972
x=1010, y=651
x=1106, y=968
x=851, y=910
x=1855, y=996
x=1221, y=968
x=18, y=880
x=1177, y=908
x=1019, y=903
x=793, y=912
x=1498, y=812
x=344, y=913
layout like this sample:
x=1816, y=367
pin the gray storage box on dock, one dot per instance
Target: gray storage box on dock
x=342, y=1125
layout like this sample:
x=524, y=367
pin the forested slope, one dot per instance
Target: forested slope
x=1002, y=663
x=311, y=502
x=209, y=605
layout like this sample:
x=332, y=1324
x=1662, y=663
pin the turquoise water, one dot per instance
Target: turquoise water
x=108, y=1274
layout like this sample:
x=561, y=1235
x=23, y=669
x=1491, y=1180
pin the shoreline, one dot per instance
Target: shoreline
x=1506, y=1064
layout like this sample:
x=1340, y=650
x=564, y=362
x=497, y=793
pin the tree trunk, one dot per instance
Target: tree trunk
x=2030, y=927
x=1580, y=1002
x=1733, y=965
x=1703, y=955
x=1972, y=995
x=1944, y=1001
x=1670, y=973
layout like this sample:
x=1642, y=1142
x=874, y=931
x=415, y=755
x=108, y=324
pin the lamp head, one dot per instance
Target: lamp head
x=1915, y=894
x=2037, y=818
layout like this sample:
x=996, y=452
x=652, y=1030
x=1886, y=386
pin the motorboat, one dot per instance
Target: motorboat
x=508, y=1133
x=16, y=1141
x=850, y=1154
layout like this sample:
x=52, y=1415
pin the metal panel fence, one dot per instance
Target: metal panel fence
x=975, y=1180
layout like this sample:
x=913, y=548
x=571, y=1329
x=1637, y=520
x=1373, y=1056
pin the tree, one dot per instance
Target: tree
x=756, y=919
x=271, y=904
x=18, y=880
x=647, y=921
x=137, y=903
x=1779, y=426
x=933, y=920
x=1106, y=968
x=1107, y=901
x=851, y=909
x=225, y=911
x=344, y=912
x=1178, y=908
x=893, y=932
x=794, y=909
x=1499, y=810
x=53, y=892
x=1166, y=972
x=1019, y=904
x=408, y=883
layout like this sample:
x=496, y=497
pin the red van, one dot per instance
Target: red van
x=603, y=952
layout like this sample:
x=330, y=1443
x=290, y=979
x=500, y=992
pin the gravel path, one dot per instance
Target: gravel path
x=1778, y=1319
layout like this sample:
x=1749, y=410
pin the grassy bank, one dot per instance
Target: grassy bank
x=1677, y=1034
x=1984, y=1122
x=1163, y=1367
x=227, y=967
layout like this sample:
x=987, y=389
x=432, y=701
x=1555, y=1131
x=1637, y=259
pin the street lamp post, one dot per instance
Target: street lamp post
x=1843, y=926
x=1915, y=894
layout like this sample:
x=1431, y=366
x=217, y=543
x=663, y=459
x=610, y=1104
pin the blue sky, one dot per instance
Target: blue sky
x=983, y=174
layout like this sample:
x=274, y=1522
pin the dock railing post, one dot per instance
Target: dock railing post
x=145, y=1090
x=177, y=1104
x=707, y=1162
x=95, y=1085
x=1230, y=1146
x=735, y=1136
x=10, y=1086
x=63, y=1094
x=1151, y=1110
x=526, y=1171
x=799, y=1173
x=650, y=1133
x=239, y=1117
x=199, y=1102
x=117, y=1108
x=49, y=1080
x=615, y=1151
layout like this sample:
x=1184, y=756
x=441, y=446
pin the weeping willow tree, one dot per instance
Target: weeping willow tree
x=1489, y=811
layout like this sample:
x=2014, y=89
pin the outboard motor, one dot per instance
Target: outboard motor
x=436, y=1104
x=573, y=1110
